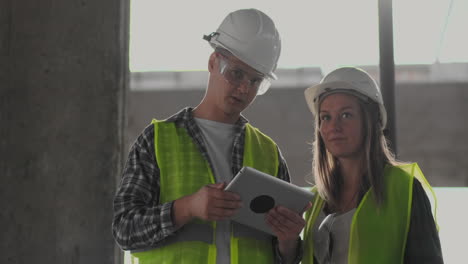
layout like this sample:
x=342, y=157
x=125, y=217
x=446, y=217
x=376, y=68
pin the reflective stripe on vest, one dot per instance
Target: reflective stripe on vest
x=183, y=171
x=378, y=234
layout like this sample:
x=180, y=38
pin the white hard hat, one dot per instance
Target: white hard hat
x=251, y=36
x=346, y=80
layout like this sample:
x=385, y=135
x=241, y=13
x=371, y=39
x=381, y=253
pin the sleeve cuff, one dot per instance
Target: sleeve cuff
x=279, y=258
x=167, y=224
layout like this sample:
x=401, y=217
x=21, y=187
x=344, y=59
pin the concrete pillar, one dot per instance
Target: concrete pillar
x=63, y=82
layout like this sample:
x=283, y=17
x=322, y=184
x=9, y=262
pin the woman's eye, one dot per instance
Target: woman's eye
x=325, y=118
x=346, y=115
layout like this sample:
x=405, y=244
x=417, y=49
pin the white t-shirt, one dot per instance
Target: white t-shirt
x=219, y=138
x=331, y=237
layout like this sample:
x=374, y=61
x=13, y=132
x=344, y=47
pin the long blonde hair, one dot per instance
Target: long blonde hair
x=376, y=152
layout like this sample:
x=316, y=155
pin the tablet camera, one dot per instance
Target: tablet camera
x=262, y=204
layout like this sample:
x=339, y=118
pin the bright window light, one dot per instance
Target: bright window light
x=452, y=219
x=314, y=33
x=324, y=33
x=426, y=31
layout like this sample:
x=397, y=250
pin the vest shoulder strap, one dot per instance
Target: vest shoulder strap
x=260, y=151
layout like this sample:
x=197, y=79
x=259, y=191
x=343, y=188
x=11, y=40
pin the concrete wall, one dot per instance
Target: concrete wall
x=431, y=126
x=63, y=77
x=432, y=130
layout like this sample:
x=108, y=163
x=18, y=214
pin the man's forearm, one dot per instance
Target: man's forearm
x=141, y=227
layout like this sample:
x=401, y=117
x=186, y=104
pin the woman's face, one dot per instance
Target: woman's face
x=341, y=125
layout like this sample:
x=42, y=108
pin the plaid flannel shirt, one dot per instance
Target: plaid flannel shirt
x=140, y=221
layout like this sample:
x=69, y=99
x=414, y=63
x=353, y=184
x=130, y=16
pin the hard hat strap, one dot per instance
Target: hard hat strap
x=210, y=36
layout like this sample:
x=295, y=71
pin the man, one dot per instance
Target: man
x=171, y=206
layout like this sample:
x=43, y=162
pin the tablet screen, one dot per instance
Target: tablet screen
x=260, y=192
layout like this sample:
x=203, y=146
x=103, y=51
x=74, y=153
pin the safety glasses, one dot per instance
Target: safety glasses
x=237, y=75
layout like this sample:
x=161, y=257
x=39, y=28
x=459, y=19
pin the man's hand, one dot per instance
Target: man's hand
x=210, y=203
x=287, y=225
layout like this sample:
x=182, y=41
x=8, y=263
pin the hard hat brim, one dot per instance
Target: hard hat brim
x=216, y=43
x=313, y=93
x=316, y=93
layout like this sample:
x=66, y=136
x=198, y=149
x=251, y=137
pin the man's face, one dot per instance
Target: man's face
x=234, y=83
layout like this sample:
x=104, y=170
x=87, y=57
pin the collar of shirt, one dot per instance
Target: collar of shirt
x=184, y=118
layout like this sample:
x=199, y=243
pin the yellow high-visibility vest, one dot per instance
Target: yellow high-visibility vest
x=377, y=234
x=183, y=171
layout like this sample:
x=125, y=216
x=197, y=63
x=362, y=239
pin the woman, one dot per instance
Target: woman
x=369, y=208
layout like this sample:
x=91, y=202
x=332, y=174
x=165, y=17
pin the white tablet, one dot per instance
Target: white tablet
x=260, y=192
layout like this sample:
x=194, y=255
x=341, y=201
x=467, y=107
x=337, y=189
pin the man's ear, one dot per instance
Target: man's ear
x=212, y=62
